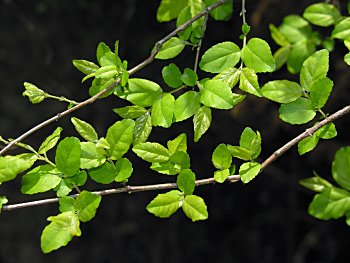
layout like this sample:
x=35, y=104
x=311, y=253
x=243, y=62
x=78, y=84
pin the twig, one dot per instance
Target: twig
x=204, y=26
x=230, y=179
x=91, y=100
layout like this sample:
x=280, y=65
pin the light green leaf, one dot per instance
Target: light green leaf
x=60, y=231
x=223, y=12
x=41, y=179
x=327, y=132
x=314, y=68
x=221, y=157
x=34, y=94
x=342, y=29
x=295, y=28
x=322, y=14
x=179, y=144
x=171, y=48
x=251, y=141
x=298, y=54
x=196, y=6
x=120, y=136
x=239, y=152
x=277, y=36
x=67, y=203
x=10, y=166
x=347, y=59
x=341, y=167
x=63, y=188
x=85, y=130
x=201, y=122
x=216, y=94
x=229, y=76
x=50, y=141
x=186, y=181
x=91, y=156
x=220, y=57
x=307, y=144
x=257, y=55
x=130, y=112
x=86, y=205
x=164, y=205
x=169, y=9
x=248, y=171
x=79, y=179
x=101, y=51
x=152, y=152
x=297, y=112
x=178, y=162
x=104, y=174
x=171, y=75
x=85, y=66
x=99, y=84
x=220, y=176
x=143, y=128
x=281, y=56
x=186, y=105
x=282, y=91
x=106, y=72
x=195, y=208
x=316, y=184
x=124, y=169
x=3, y=200
x=67, y=156
x=183, y=17
x=189, y=77
x=249, y=82
x=163, y=111
x=319, y=92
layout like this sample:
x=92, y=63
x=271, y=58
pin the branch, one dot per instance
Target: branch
x=230, y=179
x=91, y=100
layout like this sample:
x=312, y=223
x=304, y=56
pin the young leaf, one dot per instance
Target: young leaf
x=164, y=205
x=101, y=51
x=163, y=111
x=327, y=132
x=216, y=94
x=195, y=208
x=298, y=54
x=277, y=36
x=104, y=174
x=196, y=6
x=251, y=141
x=60, y=231
x=10, y=166
x=143, y=128
x=79, y=179
x=229, y=76
x=171, y=48
x=201, y=122
x=341, y=29
x=63, y=188
x=86, y=205
x=221, y=157
x=34, y=94
x=178, y=162
x=186, y=105
x=85, y=130
x=248, y=171
x=319, y=92
x=130, y=112
x=179, y=144
x=223, y=12
x=281, y=56
x=297, y=112
x=41, y=179
x=85, y=66
x=249, y=82
x=341, y=167
x=322, y=14
x=295, y=29
x=3, y=200
x=67, y=203
x=221, y=175
x=152, y=152
x=257, y=55
x=183, y=17
x=169, y=9
x=91, y=156
x=171, y=75
x=189, y=77
x=124, y=169
x=282, y=91
x=186, y=181
x=220, y=57
x=67, y=156
x=240, y=152
x=307, y=144
x=50, y=141
x=120, y=136
x=99, y=84
x=316, y=184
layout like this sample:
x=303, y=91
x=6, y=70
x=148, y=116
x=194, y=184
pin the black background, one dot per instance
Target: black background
x=264, y=221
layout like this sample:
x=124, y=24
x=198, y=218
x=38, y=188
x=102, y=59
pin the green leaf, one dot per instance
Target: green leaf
x=297, y=112
x=221, y=157
x=347, y=59
x=322, y=14
x=164, y=205
x=63, y=188
x=130, y=112
x=216, y=94
x=186, y=181
x=298, y=54
x=67, y=203
x=50, y=141
x=183, y=17
x=319, y=92
x=171, y=75
x=60, y=231
x=101, y=51
x=67, y=157
x=341, y=167
x=196, y=6
x=201, y=122
x=99, y=84
x=34, y=94
x=316, y=183
x=141, y=92
x=220, y=176
x=257, y=55
x=10, y=166
x=143, y=128
x=277, y=36
x=249, y=82
x=106, y=72
x=220, y=57
x=169, y=9
x=163, y=111
x=79, y=179
x=223, y=12
x=239, y=152
x=327, y=132
x=124, y=169
x=189, y=77
x=152, y=152
x=307, y=144
x=177, y=162
x=281, y=57
x=120, y=136
x=86, y=205
x=85, y=66
x=41, y=179
x=229, y=76
x=3, y=200
x=332, y=203
x=314, y=68
x=342, y=29
x=295, y=28
x=104, y=174
x=195, y=208
x=248, y=171
x=186, y=105
x=251, y=141
x=179, y=144
x=282, y=91
x=171, y=48
x=91, y=155
x=85, y=130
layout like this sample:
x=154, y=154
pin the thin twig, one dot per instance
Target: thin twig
x=204, y=26
x=230, y=179
x=91, y=100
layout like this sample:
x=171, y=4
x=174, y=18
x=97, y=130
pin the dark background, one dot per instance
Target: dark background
x=264, y=221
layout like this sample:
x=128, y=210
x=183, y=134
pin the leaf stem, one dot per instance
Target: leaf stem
x=204, y=26
x=61, y=98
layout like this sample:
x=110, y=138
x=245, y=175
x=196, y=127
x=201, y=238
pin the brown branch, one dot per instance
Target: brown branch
x=91, y=100
x=230, y=179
